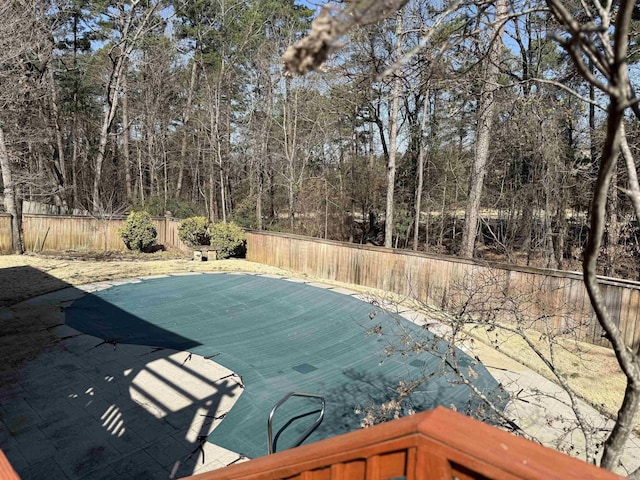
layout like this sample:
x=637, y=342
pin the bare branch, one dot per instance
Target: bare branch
x=570, y=91
x=634, y=193
x=422, y=43
x=326, y=29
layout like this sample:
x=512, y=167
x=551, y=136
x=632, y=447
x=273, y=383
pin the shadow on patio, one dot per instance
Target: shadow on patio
x=75, y=406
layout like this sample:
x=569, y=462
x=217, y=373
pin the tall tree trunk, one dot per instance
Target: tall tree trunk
x=421, y=157
x=371, y=172
x=486, y=110
x=593, y=144
x=290, y=146
x=272, y=198
x=140, y=176
x=128, y=40
x=112, y=89
x=264, y=70
x=393, y=137
x=125, y=141
x=165, y=167
x=215, y=123
x=185, y=131
x=74, y=121
x=151, y=164
x=223, y=196
x=351, y=217
x=74, y=165
x=60, y=166
x=10, y=198
x=264, y=151
x=259, y=197
x=213, y=209
x=216, y=148
x=613, y=227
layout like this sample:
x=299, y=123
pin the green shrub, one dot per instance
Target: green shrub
x=138, y=232
x=194, y=231
x=229, y=238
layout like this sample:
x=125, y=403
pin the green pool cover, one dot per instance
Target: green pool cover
x=282, y=336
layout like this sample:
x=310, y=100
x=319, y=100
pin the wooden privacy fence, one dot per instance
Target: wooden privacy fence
x=61, y=232
x=5, y=233
x=546, y=298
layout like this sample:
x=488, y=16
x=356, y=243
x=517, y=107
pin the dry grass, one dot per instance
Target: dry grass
x=592, y=371
x=26, y=276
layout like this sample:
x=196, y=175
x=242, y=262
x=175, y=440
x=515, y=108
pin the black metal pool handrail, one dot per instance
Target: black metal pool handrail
x=270, y=442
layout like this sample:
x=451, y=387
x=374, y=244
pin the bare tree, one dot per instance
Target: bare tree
x=186, y=117
x=486, y=112
x=10, y=200
x=422, y=154
x=484, y=307
x=131, y=22
x=18, y=76
x=606, y=48
x=393, y=138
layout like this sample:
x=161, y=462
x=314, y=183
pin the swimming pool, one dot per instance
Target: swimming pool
x=280, y=336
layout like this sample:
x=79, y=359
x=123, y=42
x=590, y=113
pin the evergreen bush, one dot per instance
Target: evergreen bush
x=138, y=232
x=229, y=238
x=194, y=231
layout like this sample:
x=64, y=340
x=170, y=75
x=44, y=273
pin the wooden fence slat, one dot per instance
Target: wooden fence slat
x=634, y=317
x=5, y=233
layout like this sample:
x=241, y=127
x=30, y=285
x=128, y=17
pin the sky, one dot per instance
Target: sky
x=315, y=4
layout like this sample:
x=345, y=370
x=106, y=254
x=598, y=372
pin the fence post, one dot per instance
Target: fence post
x=167, y=219
x=11, y=237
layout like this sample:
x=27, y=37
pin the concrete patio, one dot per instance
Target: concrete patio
x=73, y=406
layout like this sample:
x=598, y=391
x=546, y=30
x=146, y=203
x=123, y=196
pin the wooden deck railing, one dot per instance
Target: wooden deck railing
x=435, y=445
x=6, y=470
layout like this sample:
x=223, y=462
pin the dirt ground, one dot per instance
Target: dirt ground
x=592, y=371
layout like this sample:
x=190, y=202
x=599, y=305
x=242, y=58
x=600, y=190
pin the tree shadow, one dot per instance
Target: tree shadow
x=435, y=390
x=73, y=405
